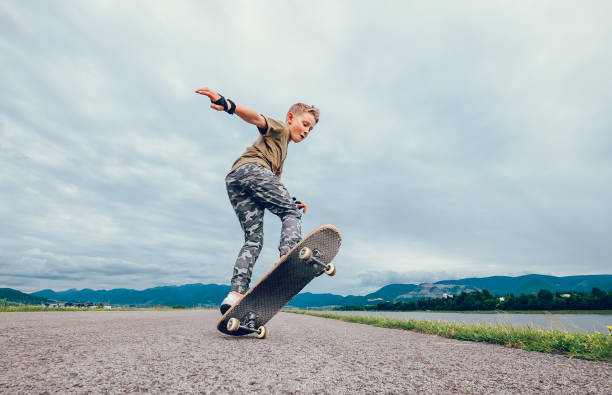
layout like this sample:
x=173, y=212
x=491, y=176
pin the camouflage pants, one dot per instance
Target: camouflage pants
x=251, y=189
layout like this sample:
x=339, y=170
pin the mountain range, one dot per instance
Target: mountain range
x=12, y=296
x=209, y=295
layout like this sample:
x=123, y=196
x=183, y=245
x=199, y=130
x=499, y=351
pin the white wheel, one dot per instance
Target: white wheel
x=305, y=254
x=233, y=324
x=262, y=332
x=330, y=269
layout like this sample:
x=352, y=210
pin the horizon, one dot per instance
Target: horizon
x=362, y=294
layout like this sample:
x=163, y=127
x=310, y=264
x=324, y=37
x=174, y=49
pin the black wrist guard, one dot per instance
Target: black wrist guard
x=232, y=107
x=227, y=107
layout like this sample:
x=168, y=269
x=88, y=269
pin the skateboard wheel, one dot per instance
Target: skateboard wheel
x=330, y=269
x=262, y=332
x=305, y=254
x=233, y=324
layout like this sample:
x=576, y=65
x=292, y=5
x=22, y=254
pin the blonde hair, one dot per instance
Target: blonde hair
x=299, y=108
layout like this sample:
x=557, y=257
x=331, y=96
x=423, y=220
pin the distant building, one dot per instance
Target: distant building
x=566, y=296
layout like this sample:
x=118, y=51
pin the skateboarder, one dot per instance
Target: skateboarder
x=253, y=183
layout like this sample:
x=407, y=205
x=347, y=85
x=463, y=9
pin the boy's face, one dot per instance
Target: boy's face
x=300, y=125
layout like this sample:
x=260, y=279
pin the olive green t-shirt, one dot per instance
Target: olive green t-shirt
x=270, y=148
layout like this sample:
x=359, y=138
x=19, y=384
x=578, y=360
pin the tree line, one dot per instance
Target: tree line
x=485, y=300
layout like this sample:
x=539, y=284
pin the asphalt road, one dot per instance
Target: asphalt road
x=182, y=352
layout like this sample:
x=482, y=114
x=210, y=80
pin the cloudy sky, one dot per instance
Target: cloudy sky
x=456, y=139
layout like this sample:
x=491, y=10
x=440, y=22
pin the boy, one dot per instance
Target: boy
x=253, y=184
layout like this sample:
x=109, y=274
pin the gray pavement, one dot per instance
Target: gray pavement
x=182, y=352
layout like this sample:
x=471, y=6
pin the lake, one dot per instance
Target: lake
x=579, y=323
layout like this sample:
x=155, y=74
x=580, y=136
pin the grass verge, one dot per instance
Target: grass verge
x=593, y=346
x=12, y=309
x=17, y=309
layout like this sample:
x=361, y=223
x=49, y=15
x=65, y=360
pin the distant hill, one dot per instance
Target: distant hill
x=12, y=297
x=391, y=291
x=501, y=285
x=192, y=295
x=437, y=290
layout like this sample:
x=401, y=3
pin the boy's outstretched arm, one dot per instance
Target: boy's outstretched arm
x=247, y=114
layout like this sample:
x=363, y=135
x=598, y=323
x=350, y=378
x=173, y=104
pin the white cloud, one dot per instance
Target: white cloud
x=455, y=140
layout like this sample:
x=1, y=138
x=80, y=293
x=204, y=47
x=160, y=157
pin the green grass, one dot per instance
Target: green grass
x=593, y=346
x=602, y=312
x=27, y=308
x=10, y=309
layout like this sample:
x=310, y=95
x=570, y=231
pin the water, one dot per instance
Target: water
x=579, y=323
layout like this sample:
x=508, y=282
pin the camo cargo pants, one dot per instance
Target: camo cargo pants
x=251, y=189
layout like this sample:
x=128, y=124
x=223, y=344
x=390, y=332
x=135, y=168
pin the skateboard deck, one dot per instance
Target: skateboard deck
x=308, y=259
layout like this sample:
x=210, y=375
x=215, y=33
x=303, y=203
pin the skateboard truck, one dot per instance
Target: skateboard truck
x=248, y=324
x=308, y=255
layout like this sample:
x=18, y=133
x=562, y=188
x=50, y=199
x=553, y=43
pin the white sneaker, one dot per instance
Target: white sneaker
x=229, y=301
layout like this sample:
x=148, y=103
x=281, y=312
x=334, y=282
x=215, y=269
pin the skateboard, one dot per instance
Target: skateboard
x=308, y=259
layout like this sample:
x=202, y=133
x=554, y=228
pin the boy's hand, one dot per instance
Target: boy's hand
x=301, y=206
x=247, y=114
x=213, y=96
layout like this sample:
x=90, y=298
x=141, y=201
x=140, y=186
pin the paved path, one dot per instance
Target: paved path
x=182, y=352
